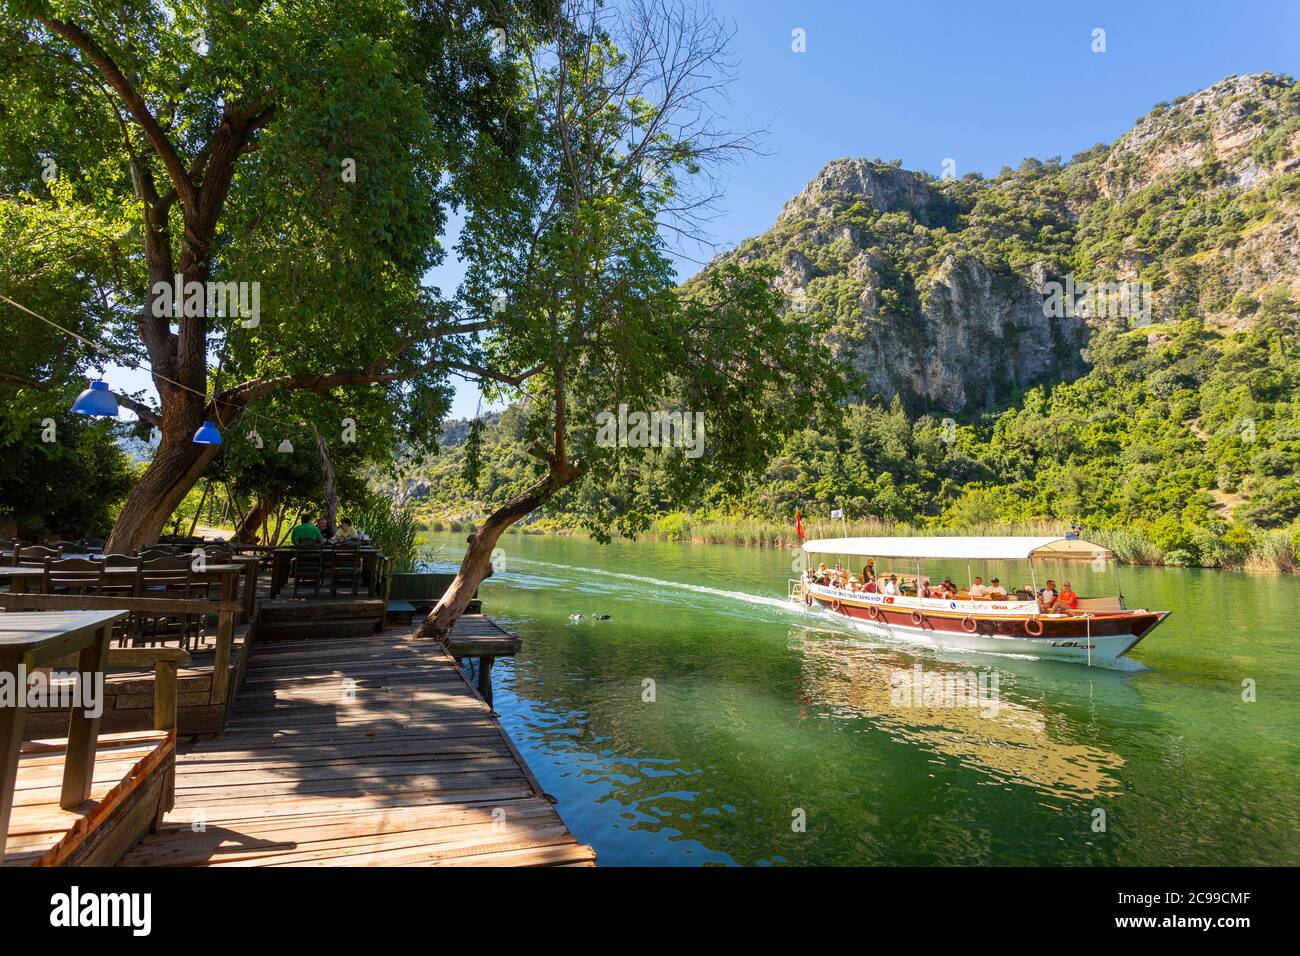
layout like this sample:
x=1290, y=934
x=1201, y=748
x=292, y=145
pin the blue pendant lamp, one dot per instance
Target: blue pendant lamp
x=96, y=400
x=208, y=434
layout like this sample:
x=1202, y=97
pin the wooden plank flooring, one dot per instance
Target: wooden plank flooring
x=476, y=635
x=39, y=823
x=359, y=751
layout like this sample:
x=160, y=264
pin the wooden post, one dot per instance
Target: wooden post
x=164, y=695
x=83, y=730
x=11, y=737
x=485, y=678
x=221, y=656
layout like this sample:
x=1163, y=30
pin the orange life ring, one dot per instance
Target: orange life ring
x=969, y=624
x=873, y=612
x=835, y=604
x=1030, y=624
x=917, y=618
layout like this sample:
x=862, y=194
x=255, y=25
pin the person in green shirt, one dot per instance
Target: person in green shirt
x=304, y=530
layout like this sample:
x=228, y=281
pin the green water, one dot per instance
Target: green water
x=764, y=715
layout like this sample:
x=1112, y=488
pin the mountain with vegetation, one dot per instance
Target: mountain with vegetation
x=1160, y=405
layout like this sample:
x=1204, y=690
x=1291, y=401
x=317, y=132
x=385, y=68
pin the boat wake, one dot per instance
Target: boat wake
x=760, y=600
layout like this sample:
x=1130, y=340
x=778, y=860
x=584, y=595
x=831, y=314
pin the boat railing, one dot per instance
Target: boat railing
x=796, y=589
x=909, y=601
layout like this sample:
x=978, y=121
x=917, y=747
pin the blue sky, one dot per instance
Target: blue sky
x=985, y=84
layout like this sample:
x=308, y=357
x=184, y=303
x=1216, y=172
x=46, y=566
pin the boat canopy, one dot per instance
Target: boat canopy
x=984, y=549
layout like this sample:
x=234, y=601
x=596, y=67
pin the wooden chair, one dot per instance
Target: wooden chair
x=72, y=576
x=169, y=577
x=121, y=585
x=308, y=563
x=35, y=556
x=345, y=568
x=213, y=554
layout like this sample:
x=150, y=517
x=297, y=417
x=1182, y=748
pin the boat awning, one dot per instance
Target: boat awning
x=984, y=549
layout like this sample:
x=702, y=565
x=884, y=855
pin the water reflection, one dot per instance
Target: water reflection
x=1011, y=742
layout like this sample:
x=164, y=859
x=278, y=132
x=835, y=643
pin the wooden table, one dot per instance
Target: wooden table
x=282, y=558
x=32, y=640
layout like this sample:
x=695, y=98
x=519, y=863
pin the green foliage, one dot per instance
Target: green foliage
x=70, y=486
x=392, y=529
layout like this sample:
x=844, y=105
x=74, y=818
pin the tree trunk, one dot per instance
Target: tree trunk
x=327, y=476
x=477, y=563
x=251, y=523
x=175, y=469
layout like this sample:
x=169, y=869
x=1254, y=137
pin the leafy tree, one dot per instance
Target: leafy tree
x=624, y=136
x=311, y=148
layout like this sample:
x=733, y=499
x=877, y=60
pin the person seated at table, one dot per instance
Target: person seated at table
x=305, y=530
x=996, y=591
x=978, y=591
x=345, y=530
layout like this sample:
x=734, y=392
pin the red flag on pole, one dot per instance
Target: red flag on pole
x=798, y=524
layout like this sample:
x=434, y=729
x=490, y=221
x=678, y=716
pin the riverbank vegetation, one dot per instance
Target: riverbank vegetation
x=1180, y=446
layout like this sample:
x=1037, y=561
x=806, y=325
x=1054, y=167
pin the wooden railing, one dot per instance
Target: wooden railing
x=226, y=611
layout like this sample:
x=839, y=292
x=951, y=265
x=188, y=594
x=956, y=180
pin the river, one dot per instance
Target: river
x=711, y=721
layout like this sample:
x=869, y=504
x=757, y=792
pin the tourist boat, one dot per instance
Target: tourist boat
x=1101, y=630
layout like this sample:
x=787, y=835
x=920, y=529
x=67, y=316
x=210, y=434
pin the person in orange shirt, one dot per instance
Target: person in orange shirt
x=1068, y=597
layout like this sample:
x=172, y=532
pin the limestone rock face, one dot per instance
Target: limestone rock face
x=883, y=187
x=1220, y=123
x=978, y=336
x=934, y=290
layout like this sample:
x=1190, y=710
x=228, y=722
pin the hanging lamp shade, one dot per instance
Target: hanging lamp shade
x=96, y=400
x=208, y=434
x=285, y=447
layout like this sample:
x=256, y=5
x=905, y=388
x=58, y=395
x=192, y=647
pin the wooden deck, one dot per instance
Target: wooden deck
x=127, y=796
x=359, y=751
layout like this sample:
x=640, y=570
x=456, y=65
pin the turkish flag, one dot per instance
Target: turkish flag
x=798, y=524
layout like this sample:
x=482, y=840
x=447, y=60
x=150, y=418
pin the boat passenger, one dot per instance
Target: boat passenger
x=870, y=587
x=924, y=589
x=978, y=592
x=853, y=583
x=996, y=591
x=1068, y=598
x=891, y=585
x=1047, y=597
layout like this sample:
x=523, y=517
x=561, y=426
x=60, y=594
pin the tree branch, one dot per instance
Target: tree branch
x=157, y=137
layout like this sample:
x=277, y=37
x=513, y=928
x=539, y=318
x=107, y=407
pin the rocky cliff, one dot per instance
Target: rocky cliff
x=934, y=289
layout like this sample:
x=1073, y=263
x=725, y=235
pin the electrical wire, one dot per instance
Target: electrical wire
x=102, y=349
